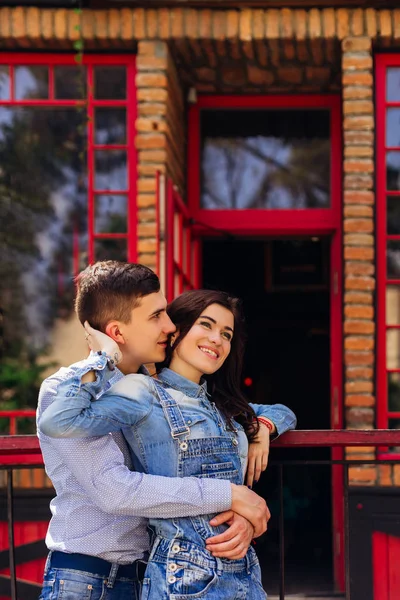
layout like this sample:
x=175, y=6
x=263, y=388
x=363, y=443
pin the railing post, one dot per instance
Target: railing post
x=346, y=531
x=10, y=523
x=13, y=426
x=281, y=538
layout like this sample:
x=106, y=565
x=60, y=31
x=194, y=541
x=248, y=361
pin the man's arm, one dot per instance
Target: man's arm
x=98, y=466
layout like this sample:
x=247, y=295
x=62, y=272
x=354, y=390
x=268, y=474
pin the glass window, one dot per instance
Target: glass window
x=70, y=82
x=110, y=83
x=393, y=127
x=393, y=215
x=394, y=392
x=4, y=82
x=110, y=171
x=49, y=127
x=393, y=84
x=393, y=259
x=43, y=197
x=265, y=159
x=111, y=249
x=111, y=213
x=393, y=304
x=31, y=83
x=110, y=126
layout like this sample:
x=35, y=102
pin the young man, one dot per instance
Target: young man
x=97, y=536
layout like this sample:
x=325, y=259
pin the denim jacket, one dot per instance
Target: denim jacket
x=132, y=404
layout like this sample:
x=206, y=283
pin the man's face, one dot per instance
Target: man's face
x=146, y=335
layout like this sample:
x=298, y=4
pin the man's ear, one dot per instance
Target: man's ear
x=113, y=330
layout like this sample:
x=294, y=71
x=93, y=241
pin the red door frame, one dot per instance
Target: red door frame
x=290, y=223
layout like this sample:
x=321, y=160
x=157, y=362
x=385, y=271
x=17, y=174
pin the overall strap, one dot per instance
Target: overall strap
x=172, y=412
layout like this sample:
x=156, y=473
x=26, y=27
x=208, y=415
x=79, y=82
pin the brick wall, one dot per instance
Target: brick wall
x=250, y=51
x=161, y=135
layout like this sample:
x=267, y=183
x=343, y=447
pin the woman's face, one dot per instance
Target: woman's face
x=207, y=344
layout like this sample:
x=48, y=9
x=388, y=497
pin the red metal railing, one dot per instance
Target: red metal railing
x=14, y=415
x=21, y=451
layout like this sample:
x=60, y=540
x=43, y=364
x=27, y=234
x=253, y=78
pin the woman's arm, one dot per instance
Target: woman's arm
x=273, y=419
x=75, y=412
x=282, y=418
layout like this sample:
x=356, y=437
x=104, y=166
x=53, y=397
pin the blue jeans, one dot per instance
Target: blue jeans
x=192, y=573
x=69, y=584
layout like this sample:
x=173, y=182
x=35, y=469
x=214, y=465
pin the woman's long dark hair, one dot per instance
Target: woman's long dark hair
x=224, y=384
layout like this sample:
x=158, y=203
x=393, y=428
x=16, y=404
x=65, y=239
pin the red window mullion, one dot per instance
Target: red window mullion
x=132, y=159
x=111, y=236
x=51, y=83
x=170, y=241
x=113, y=192
x=110, y=147
x=181, y=234
x=12, y=84
x=382, y=399
x=46, y=102
x=90, y=163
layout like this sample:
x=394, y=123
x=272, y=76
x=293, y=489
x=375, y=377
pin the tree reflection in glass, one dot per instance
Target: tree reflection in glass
x=265, y=159
x=43, y=205
x=4, y=82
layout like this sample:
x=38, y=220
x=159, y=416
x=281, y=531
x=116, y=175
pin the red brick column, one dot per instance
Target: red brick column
x=160, y=139
x=359, y=260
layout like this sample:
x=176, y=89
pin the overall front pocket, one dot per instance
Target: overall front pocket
x=224, y=470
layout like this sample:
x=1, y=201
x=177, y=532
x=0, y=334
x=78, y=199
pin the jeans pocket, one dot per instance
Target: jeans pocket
x=74, y=589
x=194, y=582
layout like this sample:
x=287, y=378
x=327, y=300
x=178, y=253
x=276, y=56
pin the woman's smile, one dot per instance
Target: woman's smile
x=212, y=353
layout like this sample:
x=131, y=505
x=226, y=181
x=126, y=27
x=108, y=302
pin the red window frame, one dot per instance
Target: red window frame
x=283, y=222
x=382, y=63
x=91, y=60
x=178, y=250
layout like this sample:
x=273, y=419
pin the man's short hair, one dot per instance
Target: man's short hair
x=110, y=289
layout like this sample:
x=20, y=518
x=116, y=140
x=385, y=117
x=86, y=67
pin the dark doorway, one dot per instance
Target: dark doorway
x=284, y=285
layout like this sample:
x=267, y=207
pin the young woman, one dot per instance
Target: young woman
x=191, y=421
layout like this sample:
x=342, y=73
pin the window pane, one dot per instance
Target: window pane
x=4, y=82
x=31, y=83
x=394, y=392
x=110, y=170
x=110, y=250
x=393, y=171
x=265, y=159
x=70, y=82
x=393, y=85
x=110, y=83
x=111, y=214
x=44, y=203
x=393, y=305
x=110, y=126
x=393, y=127
x=393, y=215
x=393, y=349
x=393, y=259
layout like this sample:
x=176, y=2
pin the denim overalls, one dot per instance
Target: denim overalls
x=180, y=568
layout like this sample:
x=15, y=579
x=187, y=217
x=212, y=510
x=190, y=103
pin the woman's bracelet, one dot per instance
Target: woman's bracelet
x=267, y=423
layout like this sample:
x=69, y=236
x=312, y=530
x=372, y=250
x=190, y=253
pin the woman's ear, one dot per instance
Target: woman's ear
x=113, y=331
